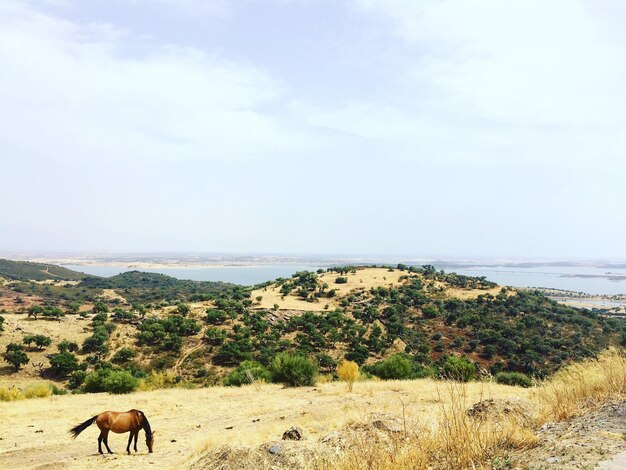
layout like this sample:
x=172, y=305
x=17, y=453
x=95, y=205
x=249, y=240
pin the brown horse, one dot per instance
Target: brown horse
x=119, y=422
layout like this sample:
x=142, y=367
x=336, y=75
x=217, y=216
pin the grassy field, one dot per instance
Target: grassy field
x=33, y=433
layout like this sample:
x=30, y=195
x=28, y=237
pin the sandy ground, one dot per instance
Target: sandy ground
x=33, y=433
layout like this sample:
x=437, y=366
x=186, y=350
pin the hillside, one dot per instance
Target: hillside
x=26, y=270
x=199, y=331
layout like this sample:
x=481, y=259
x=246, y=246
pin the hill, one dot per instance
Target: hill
x=26, y=270
x=428, y=321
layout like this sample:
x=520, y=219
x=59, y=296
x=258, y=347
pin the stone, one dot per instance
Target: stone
x=275, y=449
x=293, y=434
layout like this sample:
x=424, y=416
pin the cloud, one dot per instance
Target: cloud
x=505, y=82
x=91, y=91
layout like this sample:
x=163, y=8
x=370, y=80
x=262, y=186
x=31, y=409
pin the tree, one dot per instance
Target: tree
x=123, y=355
x=15, y=355
x=348, y=371
x=73, y=308
x=63, y=364
x=42, y=341
x=183, y=309
x=67, y=346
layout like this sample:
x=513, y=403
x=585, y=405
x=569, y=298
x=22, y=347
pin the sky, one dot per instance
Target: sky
x=448, y=128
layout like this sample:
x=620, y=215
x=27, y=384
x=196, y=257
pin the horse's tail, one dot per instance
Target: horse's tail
x=76, y=430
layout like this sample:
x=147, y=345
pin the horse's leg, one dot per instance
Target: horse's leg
x=100, y=441
x=130, y=438
x=136, y=436
x=105, y=438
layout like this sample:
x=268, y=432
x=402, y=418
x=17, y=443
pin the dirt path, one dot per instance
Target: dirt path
x=582, y=442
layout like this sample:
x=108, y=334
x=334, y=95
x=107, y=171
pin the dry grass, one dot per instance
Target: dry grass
x=451, y=440
x=32, y=390
x=363, y=278
x=582, y=387
x=187, y=420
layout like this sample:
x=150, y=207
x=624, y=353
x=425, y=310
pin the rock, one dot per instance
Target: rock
x=275, y=449
x=387, y=426
x=293, y=434
x=553, y=460
x=517, y=409
x=332, y=438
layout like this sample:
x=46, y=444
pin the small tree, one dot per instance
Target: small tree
x=67, y=346
x=63, y=364
x=183, y=309
x=28, y=340
x=348, y=371
x=123, y=355
x=42, y=341
x=15, y=355
x=100, y=307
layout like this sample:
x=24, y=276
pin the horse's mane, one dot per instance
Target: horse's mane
x=146, y=425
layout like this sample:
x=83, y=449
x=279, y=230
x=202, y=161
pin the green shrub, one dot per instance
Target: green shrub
x=341, y=280
x=293, y=370
x=458, y=368
x=120, y=381
x=246, y=373
x=514, y=378
x=396, y=367
x=76, y=379
x=110, y=380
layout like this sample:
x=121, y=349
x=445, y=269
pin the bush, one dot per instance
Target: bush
x=109, y=380
x=458, y=368
x=10, y=394
x=514, y=378
x=348, y=371
x=37, y=390
x=293, y=371
x=396, y=367
x=120, y=381
x=246, y=373
x=76, y=379
x=158, y=380
x=341, y=280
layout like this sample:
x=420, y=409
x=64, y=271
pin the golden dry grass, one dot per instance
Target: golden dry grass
x=199, y=418
x=16, y=326
x=363, y=278
x=583, y=386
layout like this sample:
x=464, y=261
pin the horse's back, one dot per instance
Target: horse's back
x=118, y=421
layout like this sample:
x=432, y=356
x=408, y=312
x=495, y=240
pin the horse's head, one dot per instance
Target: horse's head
x=150, y=441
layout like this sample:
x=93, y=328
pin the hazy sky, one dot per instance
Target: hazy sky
x=417, y=127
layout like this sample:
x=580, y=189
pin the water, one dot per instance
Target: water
x=554, y=277
x=244, y=275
